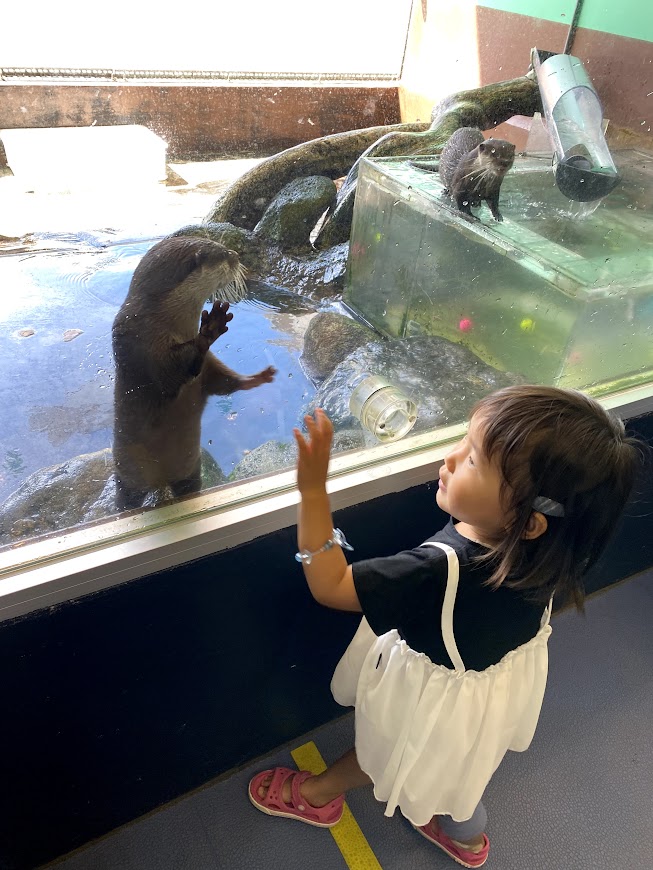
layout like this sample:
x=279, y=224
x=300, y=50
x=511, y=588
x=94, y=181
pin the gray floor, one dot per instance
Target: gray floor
x=579, y=799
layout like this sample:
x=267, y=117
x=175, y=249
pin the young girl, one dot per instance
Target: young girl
x=535, y=488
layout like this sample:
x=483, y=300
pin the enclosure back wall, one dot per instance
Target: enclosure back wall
x=459, y=45
x=201, y=121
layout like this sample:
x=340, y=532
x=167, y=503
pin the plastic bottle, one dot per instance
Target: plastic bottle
x=381, y=407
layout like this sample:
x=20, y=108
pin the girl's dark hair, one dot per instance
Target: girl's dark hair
x=562, y=445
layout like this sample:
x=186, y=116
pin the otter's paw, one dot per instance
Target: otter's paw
x=264, y=377
x=267, y=375
x=214, y=322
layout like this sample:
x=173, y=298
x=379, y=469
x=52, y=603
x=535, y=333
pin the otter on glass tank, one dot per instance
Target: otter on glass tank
x=472, y=169
x=165, y=371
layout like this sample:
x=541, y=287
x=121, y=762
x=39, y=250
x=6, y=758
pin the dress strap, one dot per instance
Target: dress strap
x=448, y=604
x=546, y=616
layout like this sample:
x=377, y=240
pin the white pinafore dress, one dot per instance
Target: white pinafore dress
x=430, y=737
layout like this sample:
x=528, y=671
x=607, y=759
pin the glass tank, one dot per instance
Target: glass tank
x=560, y=292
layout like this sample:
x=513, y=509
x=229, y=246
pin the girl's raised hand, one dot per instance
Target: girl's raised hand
x=313, y=460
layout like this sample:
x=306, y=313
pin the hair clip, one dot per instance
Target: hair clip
x=548, y=506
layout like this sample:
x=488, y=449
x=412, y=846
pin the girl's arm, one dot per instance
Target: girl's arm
x=329, y=577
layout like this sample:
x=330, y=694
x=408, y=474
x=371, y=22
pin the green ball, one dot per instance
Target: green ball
x=527, y=324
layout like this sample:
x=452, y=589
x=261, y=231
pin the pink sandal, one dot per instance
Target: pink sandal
x=274, y=805
x=458, y=853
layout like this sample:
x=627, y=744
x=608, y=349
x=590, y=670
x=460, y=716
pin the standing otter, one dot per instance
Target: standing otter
x=472, y=169
x=164, y=369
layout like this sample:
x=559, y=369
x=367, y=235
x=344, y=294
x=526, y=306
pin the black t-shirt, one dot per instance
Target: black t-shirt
x=406, y=592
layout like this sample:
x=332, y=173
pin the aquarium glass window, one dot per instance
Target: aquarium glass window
x=170, y=317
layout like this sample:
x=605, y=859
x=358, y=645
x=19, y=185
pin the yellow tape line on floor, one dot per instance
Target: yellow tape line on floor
x=348, y=836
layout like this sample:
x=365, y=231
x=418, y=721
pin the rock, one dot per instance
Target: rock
x=264, y=459
x=276, y=456
x=212, y=474
x=71, y=334
x=293, y=213
x=318, y=276
x=330, y=338
x=56, y=498
x=444, y=379
x=69, y=494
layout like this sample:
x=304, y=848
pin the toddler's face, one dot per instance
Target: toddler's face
x=469, y=488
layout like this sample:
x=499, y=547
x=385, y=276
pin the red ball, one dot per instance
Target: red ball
x=465, y=324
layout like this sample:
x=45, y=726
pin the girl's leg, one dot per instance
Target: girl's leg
x=467, y=833
x=319, y=790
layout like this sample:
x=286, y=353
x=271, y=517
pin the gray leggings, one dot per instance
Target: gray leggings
x=464, y=831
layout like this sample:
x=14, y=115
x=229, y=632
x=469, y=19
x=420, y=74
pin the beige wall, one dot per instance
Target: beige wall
x=441, y=55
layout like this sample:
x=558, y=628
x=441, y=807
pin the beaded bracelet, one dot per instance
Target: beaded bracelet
x=337, y=537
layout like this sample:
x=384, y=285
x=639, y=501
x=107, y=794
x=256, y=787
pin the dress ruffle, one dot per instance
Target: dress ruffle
x=431, y=737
